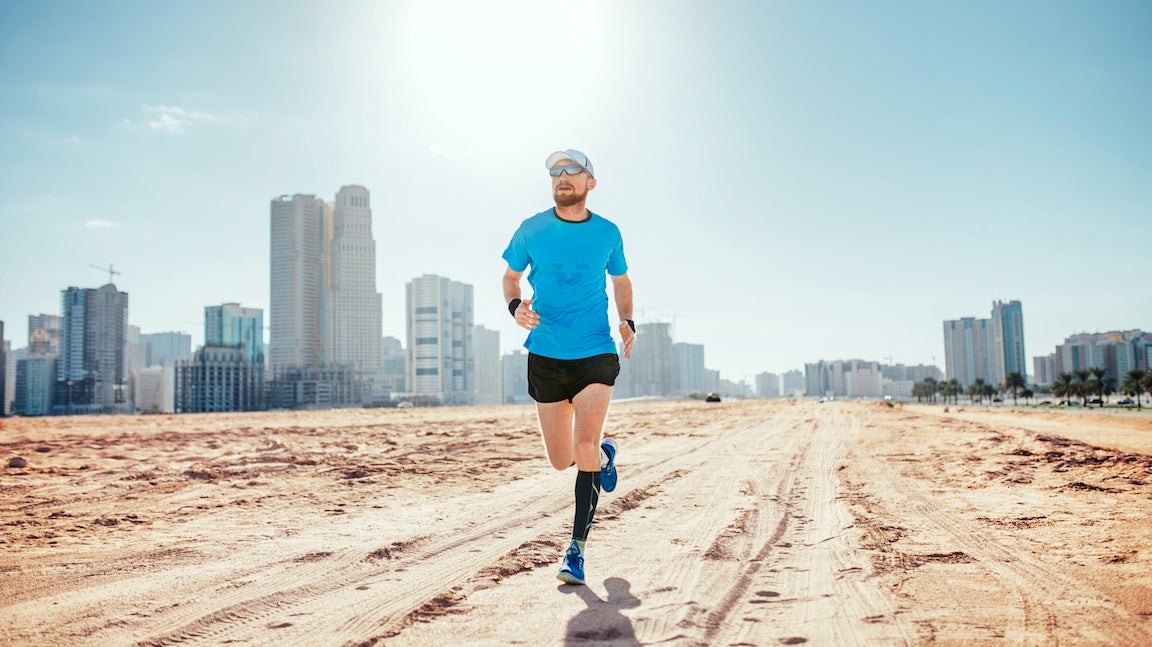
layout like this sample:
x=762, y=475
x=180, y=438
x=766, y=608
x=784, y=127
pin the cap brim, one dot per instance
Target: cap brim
x=556, y=157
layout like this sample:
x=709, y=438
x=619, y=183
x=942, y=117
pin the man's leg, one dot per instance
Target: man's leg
x=591, y=408
x=591, y=405
x=556, y=431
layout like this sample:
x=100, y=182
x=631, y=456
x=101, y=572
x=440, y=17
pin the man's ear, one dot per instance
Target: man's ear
x=591, y=183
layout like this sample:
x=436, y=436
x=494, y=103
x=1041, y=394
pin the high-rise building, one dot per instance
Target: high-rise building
x=297, y=226
x=649, y=371
x=1007, y=333
x=967, y=351
x=844, y=378
x=768, y=385
x=164, y=348
x=1044, y=369
x=135, y=357
x=10, y=357
x=687, y=368
x=514, y=366
x=352, y=306
x=793, y=383
x=986, y=349
x=93, y=374
x=43, y=334
x=440, y=352
x=395, y=365
x=35, y=377
x=219, y=378
x=1117, y=352
x=489, y=378
x=230, y=324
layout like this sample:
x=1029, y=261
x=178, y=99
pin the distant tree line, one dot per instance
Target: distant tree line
x=1082, y=384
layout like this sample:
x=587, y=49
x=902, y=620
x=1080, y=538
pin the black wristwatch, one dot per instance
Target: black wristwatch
x=512, y=305
x=631, y=324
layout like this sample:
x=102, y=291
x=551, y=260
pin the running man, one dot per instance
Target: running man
x=572, y=360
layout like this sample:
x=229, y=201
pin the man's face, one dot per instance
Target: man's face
x=567, y=189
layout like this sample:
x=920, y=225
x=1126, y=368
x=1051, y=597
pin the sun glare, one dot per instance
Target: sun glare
x=505, y=65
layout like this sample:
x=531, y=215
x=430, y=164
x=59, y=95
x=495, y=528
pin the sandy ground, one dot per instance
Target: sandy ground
x=739, y=523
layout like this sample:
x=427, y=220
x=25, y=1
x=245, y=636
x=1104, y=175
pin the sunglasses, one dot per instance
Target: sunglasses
x=570, y=169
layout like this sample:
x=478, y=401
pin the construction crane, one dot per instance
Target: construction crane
x=110, y=270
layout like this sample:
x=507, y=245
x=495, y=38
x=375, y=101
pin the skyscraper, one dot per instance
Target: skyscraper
x=93, y=375
x=986, y=349
x=352, y=306
x=230, y=324
x=440, y=353
x=1007, y=334
x=296, y=277
x=967, y=351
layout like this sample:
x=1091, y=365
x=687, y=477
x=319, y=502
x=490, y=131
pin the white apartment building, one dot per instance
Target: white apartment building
x=296, y=277
x=351, y=306
x=156, y=389
x=768, y=385
x=440, y=351
x=967, y=350
x=489, y=375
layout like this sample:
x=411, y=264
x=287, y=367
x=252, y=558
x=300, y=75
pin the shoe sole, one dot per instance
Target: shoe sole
x=612, y=468
x=568, y=578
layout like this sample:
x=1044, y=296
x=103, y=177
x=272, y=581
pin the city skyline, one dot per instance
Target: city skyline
x=793, y=181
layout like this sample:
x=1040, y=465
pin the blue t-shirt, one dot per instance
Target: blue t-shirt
x=568, y=262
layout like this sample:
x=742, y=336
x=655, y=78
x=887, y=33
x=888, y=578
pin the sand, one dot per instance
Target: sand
x=738, y=523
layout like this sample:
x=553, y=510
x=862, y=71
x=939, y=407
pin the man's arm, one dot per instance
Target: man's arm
x=622, y=291
x=525, y=316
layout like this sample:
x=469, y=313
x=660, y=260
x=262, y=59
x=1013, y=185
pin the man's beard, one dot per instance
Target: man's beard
x=568, y=199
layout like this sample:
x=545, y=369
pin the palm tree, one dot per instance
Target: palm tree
x=990, y=391
x=1064, y=387
x=976, y=389
x=1015, y=382
x=930, y=389
x=918, y=391
x=1133, y=386
x=1102, y=384
x=1083, y=384
x=1027, y=395
x=957, y=390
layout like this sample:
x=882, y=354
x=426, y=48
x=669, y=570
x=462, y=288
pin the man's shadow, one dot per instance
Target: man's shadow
x=602, y=623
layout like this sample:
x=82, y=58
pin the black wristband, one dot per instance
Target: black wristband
x=512, y=305
x=631, y=324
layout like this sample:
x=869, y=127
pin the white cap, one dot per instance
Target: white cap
x=570, y=154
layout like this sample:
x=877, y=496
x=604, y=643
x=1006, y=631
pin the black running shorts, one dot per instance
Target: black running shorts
x=553, y=380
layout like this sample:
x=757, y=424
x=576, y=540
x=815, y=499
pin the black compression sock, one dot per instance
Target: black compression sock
x=587, y=495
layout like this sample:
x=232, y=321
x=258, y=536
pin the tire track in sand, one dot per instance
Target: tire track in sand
x=1043, y=594
x=346, y=601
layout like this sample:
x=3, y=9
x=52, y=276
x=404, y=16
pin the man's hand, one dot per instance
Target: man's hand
x=525, y=316
x=629, y=338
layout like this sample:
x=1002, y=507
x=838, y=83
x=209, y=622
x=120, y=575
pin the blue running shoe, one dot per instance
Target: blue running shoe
x=608, y=470
x=572, y=566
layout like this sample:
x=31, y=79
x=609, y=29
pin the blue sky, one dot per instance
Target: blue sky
x=794, y=180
